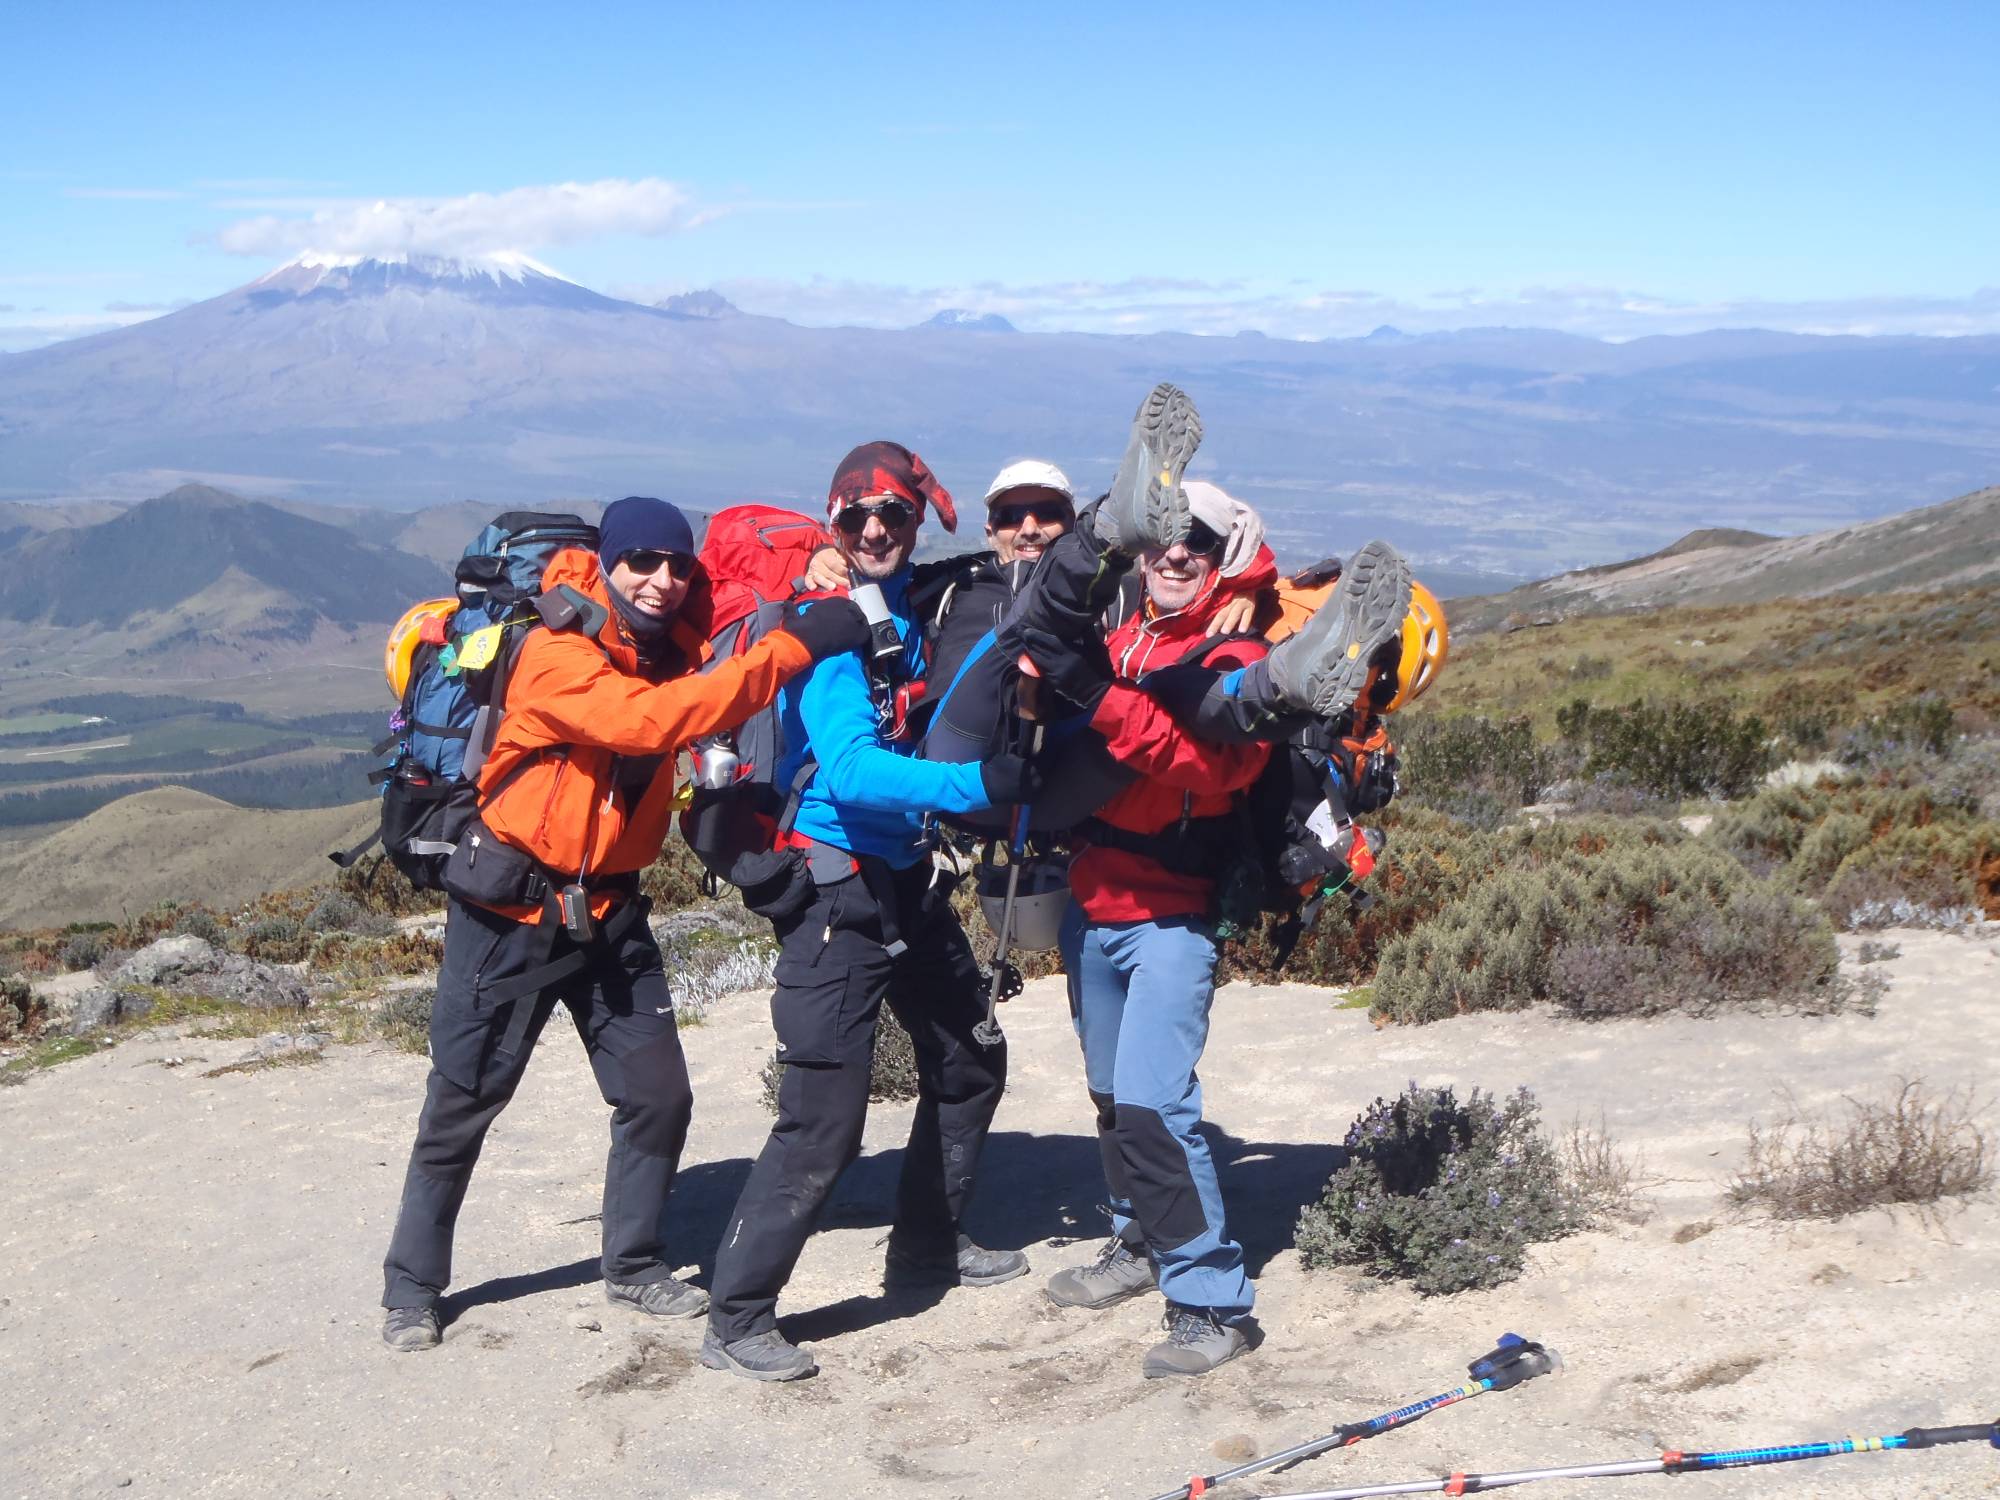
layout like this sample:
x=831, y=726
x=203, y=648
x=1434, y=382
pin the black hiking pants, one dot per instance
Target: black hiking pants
x=619, y=1001
x=833, y=975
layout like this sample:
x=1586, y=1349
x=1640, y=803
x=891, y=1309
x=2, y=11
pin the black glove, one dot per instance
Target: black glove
x=1010, y=780
x=1079, y=673
x=827, y=626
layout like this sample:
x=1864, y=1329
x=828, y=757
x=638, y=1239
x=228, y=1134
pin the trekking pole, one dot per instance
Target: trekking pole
x=1512, y=1361
x=1674, y=1462
x=987, y=1032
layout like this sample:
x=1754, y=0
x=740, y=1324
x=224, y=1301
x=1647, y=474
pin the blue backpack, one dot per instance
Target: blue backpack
x=455, y=691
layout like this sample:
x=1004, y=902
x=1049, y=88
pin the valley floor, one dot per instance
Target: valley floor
x=193, y=1270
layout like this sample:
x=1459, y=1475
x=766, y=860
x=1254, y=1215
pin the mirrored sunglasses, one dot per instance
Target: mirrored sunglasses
x=853, y=519
x=1204, y=542
x=647, y=561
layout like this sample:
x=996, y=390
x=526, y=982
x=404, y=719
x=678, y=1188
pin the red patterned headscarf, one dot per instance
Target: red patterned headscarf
x=889, y=469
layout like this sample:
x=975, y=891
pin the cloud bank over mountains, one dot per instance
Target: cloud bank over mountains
x=1162, y=304
x=524, y=218
x=290, y=218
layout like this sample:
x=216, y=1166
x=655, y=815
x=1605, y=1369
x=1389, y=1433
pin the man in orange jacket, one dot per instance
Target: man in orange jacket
x=575, y=798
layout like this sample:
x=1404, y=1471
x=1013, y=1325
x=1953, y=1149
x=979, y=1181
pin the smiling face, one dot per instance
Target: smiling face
x=646, y=581
x=876, y=549
x=1175, y=577
x=1024, y=523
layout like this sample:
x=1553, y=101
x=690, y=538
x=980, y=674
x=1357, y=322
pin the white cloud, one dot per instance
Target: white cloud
x=1288, y=310
x=135, y=195
x=35, y=327
x=524, y=218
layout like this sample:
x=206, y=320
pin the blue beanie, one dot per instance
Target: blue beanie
x=640, y=523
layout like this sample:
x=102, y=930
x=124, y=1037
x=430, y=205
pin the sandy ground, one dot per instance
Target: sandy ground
x=192, y=1273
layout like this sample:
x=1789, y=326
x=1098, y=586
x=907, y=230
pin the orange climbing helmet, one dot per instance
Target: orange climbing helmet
x=420, y=623
x=1425, y=644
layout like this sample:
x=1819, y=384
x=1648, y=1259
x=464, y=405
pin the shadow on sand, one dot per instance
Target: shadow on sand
x=1032, y=1188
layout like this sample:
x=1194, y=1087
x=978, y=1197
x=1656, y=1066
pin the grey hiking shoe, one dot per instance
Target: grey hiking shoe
x=665, y=1298
x=1323, y=667
x=1196, y=1342
x=972, y=1265
x=1115, y=1276
x=1146, y=507
x=761, y=1356
x=409, y=1329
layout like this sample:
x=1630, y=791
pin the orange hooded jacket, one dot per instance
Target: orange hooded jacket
x=566, y=779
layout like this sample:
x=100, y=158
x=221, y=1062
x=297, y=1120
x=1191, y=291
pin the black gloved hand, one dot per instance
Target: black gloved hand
x=1010, y=779
x=1078, y=672
x=827, y=626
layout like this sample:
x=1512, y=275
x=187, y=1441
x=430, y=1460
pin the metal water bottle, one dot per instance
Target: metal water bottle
x=715, y=764
x=887, y=640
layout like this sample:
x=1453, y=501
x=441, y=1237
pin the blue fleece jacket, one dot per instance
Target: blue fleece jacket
x=869, y=795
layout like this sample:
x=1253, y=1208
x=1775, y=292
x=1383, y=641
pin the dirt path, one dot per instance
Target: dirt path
x=193, y=1270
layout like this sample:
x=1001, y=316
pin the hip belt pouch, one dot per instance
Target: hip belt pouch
x=487, y=871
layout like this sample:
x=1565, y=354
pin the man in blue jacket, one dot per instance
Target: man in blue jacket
x=878, y=927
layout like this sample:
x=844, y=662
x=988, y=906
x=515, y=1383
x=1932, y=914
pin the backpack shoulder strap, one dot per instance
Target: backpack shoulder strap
x=565, y=608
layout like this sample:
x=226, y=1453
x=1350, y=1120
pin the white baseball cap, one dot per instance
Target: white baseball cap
x=1030, y=473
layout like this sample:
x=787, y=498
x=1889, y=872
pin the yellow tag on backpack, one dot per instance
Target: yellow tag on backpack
x=478, y=650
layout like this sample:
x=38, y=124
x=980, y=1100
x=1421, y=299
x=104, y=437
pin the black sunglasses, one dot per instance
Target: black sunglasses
x=853, y=519
x=647, y=561
x=1204, y=542
x=1045, y=512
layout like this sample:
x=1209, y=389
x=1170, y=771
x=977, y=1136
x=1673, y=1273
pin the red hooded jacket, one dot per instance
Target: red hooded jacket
x=1178, y=774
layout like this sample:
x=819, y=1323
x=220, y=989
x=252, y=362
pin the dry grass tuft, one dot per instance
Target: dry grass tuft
x=1913, y=1150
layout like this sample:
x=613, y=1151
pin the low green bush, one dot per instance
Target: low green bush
x=1913, y=847
x=1443, y=1194
x=1444, y=758
x=1630, y=919
x=1674, y=749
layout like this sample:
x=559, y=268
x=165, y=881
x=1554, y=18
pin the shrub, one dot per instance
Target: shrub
x=404, y=1019
x=1676, y=749
x=277, y=940
x=676, y=879
x=892, y=1073
x=1614, y=925
x=1443, y=758
x=1447, y=1196
x=1924, y=725
x=1904, y=848
x=1911, y=1150
x=200, y=922
x=81, y=951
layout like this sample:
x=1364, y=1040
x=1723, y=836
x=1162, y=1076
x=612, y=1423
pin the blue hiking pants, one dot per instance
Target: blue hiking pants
x=1139, y=993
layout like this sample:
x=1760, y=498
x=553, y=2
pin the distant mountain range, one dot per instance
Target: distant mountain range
x=402, y=384
x=1954, y=545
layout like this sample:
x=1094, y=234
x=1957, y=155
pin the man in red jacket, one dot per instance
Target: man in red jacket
x=1139, y=947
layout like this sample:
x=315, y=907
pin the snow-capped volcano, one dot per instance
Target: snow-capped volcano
x=503, y=276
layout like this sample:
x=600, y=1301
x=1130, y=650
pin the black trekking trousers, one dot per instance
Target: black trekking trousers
x=833, y=976
x=622, y=1010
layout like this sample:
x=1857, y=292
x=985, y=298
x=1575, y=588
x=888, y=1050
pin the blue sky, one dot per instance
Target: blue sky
x=1307, y=170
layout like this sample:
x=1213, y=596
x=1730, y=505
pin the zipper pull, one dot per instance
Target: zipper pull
x=473, y=858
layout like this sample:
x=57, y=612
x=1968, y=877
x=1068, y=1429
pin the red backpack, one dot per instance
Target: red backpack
x=755, y=557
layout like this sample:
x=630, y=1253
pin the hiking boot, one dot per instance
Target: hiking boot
x=1115, y=1276
x=1146, y=507
x=409, y=1329
x=665, y=1298
x=972, y=1265
x=761, y=1356
x=1323, y=668
x=1196, y=1342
